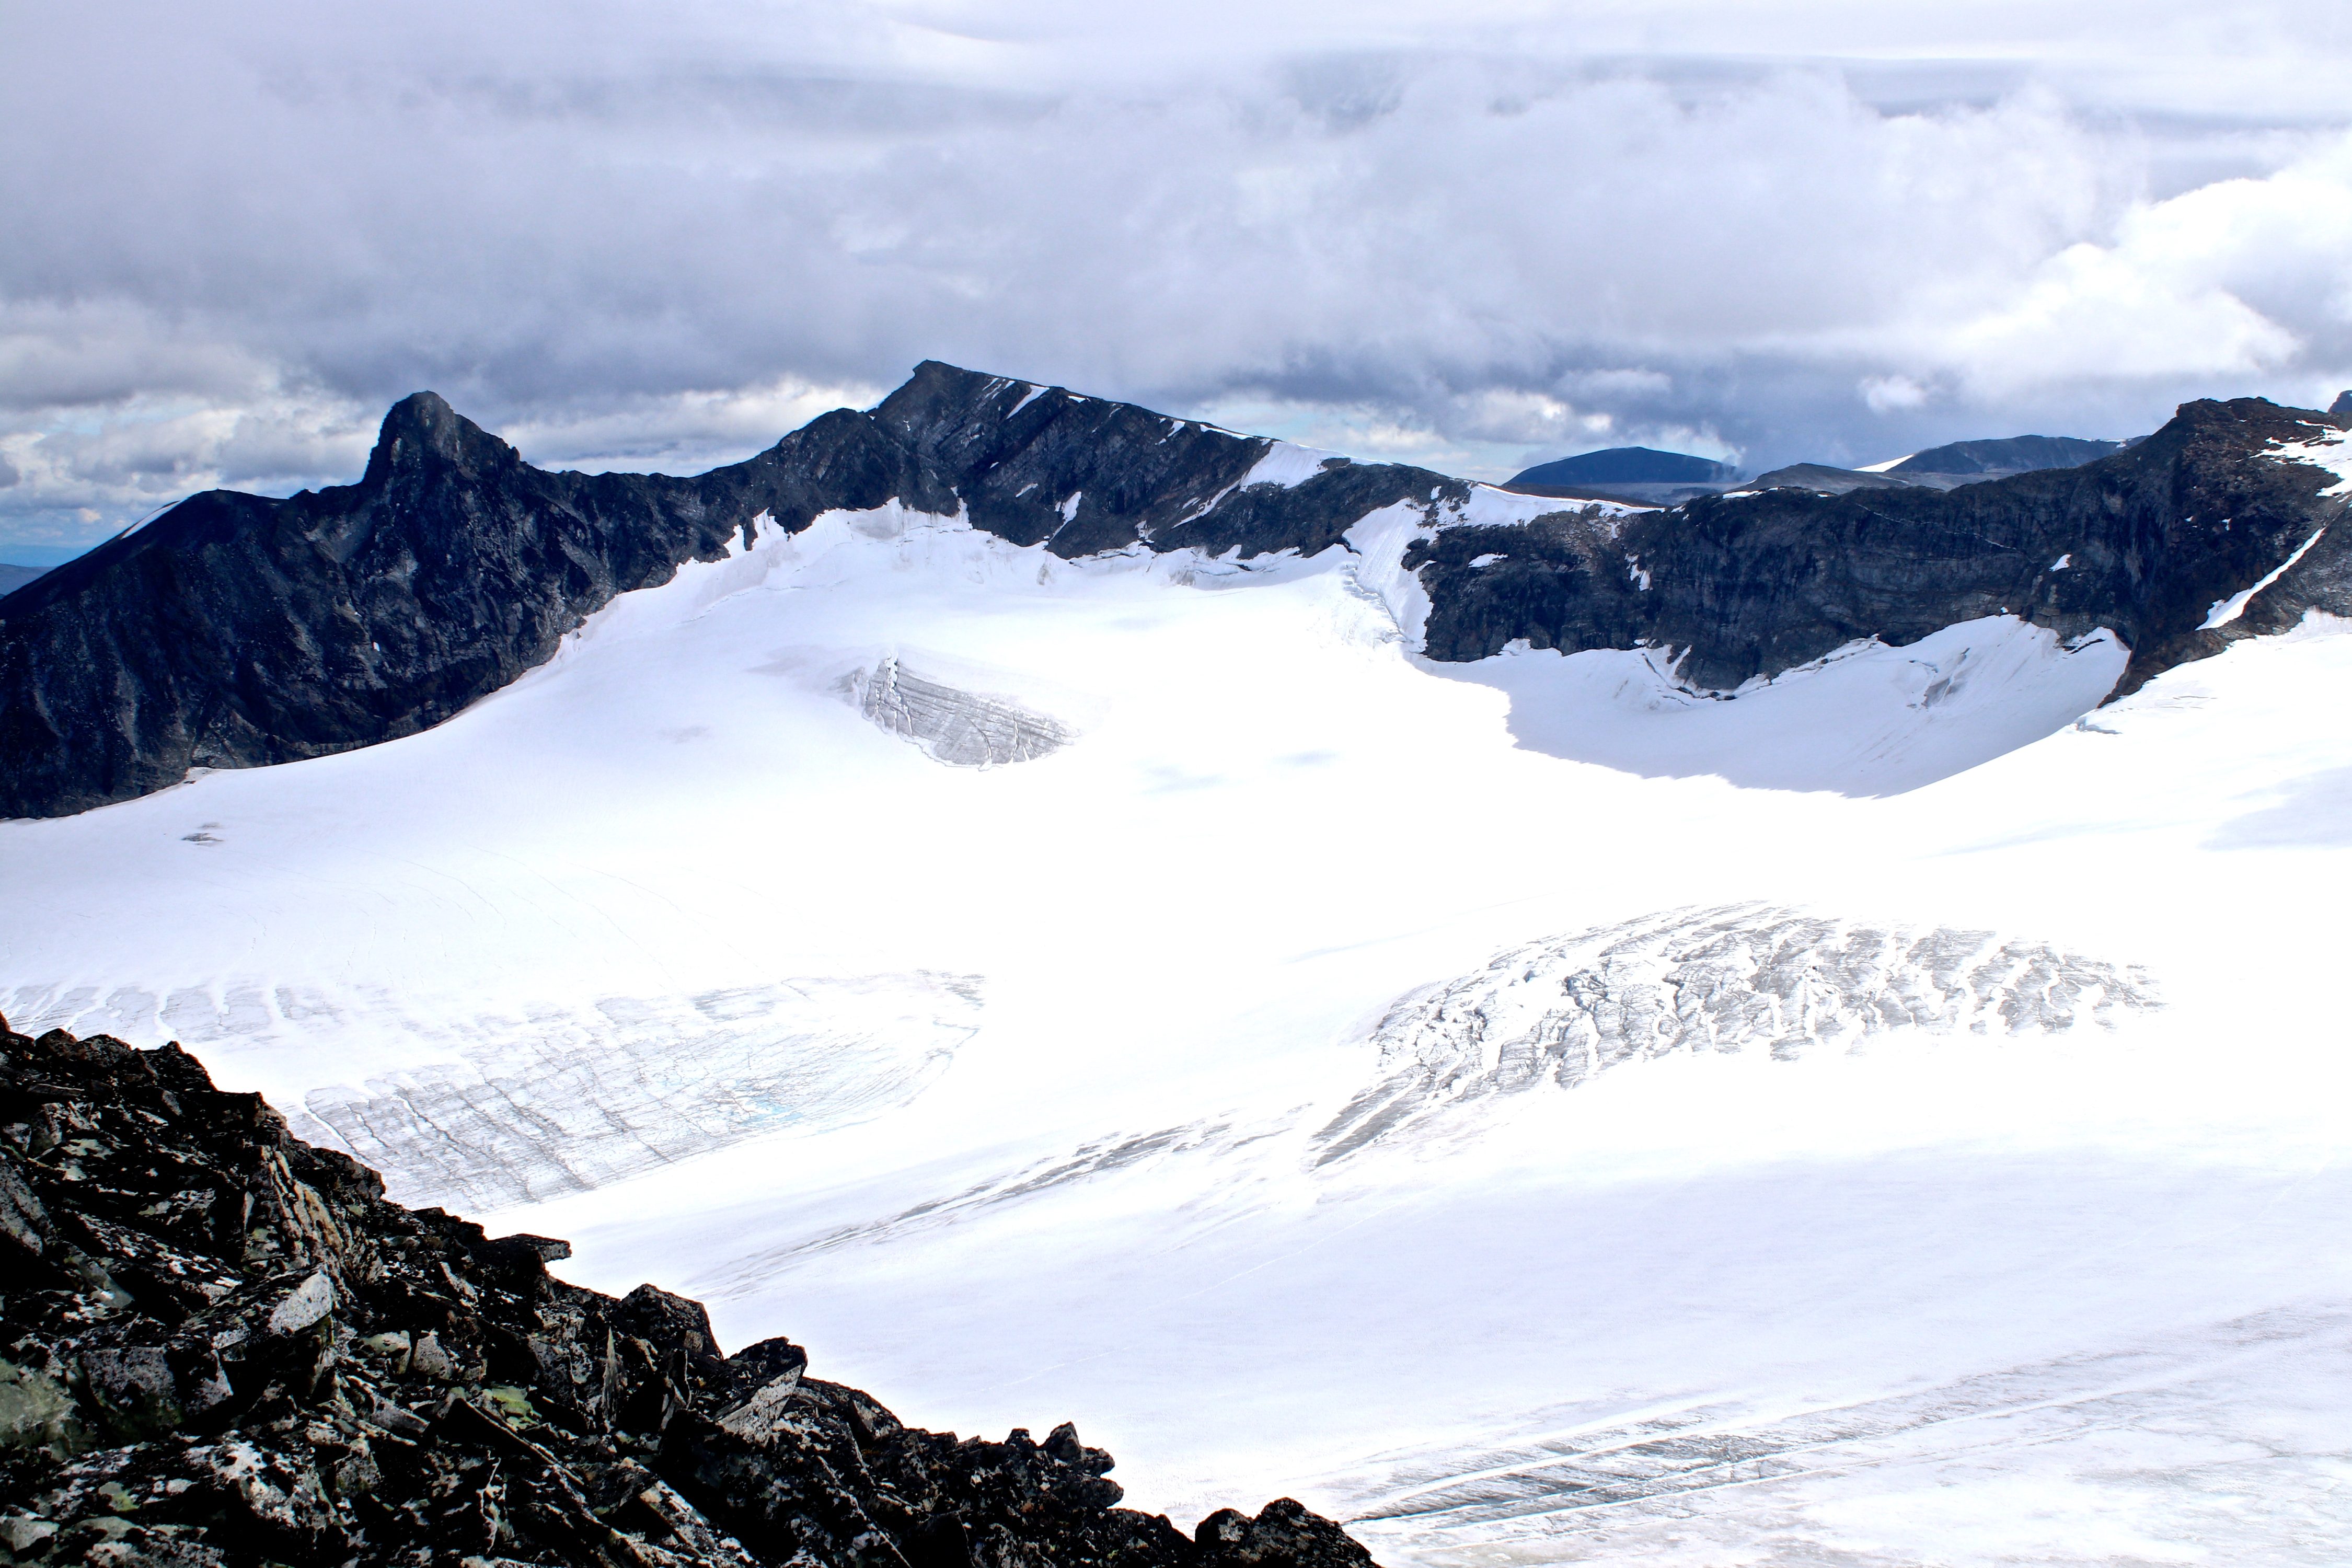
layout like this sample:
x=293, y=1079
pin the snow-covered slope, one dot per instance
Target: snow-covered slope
x=1043, y=986
x=1868, y=719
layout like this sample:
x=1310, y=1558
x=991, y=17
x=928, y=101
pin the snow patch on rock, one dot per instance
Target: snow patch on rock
x=2224, y=611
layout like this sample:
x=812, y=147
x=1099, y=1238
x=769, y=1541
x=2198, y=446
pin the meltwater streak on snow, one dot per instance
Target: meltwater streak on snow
x=1183, y=930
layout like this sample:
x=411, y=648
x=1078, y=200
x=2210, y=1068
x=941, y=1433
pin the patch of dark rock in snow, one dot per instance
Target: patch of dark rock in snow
x=963, y=728
x=1739, y=979
x=221, y=1347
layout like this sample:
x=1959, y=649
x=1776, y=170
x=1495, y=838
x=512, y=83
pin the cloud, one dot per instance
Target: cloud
x=1887, y=392
x=683, y=432
x=1467, y=236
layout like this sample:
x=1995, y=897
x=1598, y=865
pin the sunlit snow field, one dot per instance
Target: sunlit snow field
x=1039, y=1090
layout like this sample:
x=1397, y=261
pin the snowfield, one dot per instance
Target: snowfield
x=1531, y=1110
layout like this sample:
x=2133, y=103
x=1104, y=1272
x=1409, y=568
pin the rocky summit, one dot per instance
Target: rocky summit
x=237, y=631
x=224, y=1346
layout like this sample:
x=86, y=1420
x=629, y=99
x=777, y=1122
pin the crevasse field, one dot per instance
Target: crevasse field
x=1525, y=1109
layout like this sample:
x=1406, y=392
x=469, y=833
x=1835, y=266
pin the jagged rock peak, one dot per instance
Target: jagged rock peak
x=221, y=1347
x=421, y=433
x=235, y=630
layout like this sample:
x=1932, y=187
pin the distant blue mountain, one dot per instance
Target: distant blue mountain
x=15, y=577
x=1626, y=465
x=2010, y=455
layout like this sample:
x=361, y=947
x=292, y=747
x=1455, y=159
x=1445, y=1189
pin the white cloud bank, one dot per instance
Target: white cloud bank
x=1470, y=235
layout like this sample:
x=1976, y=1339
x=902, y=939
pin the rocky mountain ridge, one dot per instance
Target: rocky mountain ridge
x=221, y=1347
x=1963, y=462
x=1652, y=478
x=234, y=631
x=1945, y=468
x=2150, y=543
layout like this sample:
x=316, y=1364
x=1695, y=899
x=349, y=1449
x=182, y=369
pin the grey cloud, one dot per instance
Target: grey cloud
x=619, y=235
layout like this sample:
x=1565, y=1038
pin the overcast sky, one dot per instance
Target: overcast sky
x=1474, y=235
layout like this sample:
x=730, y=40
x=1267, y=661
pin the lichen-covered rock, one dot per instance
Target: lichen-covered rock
x=221, y=1347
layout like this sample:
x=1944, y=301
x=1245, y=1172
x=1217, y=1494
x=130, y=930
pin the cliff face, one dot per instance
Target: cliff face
x=224, y=1347
x=235, y=631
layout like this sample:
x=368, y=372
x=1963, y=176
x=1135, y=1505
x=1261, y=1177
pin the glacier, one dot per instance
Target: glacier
x=1817, y=1123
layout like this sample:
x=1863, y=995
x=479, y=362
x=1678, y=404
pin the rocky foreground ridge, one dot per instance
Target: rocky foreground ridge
x=234, y=631
x=223, y=1347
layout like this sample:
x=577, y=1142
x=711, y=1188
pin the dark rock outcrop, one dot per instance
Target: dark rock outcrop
x=2144, y=542
x=220, y=1346
x=234, y=631
x=1081, y=475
